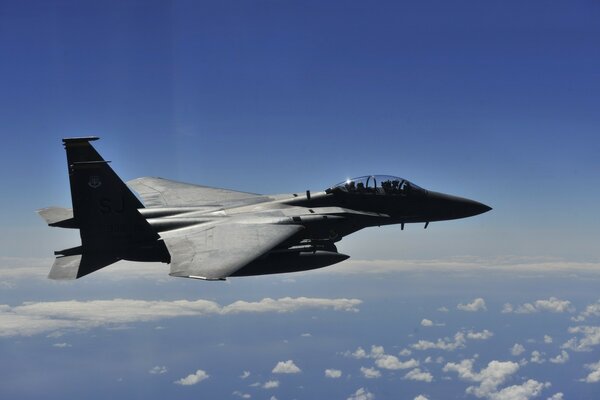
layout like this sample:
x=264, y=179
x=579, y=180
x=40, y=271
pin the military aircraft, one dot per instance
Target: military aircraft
x=212, y=234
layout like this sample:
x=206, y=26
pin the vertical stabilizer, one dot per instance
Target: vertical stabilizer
x=106, y=213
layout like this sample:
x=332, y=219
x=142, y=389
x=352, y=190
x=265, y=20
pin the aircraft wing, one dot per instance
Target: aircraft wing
x=216, y=252
x=159, y=192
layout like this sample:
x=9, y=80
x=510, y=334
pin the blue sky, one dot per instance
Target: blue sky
x=495, y=101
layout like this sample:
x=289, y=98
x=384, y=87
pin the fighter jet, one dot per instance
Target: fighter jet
x=212, y=234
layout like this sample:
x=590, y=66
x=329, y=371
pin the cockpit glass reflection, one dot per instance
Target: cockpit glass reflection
x=377, y=184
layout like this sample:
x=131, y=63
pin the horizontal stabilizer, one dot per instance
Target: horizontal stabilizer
x=74, y=266
x=58, y=216
x=65, y=268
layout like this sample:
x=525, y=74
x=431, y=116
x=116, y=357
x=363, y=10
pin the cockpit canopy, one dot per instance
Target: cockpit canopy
x=377, y=184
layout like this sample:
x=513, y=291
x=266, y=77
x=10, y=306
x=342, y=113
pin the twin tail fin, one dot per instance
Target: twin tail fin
x=106, y=213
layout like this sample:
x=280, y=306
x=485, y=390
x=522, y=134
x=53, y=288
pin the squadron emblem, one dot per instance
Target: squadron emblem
x=94, y=182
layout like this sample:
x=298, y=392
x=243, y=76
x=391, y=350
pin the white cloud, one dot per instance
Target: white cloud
x=245, y=374
x=591, y=310
x=271, y=385
x=590, y=338
x=536, y=357
x=446, y=344
x=158, y=370
x=556, y=396
x=289, y=304
x=241, y=395
x=38, y=317
x=193, y=379
x=421, y=397
x=562, y=358
x=525, y=391
x=443, y=309
x=382, y=360
x=377, y=351
x=483, y=335
x=391, y=362
x=405, y=352
x=523, y=362
x=306, y=335
x=333, y=373
x=552, y=304
x=370, y=373
x=12, y=268
x=547, y=339
x=594, y=375
x=507, y=308
x=526, y=308
x=359, y=353
x=286, y=367
x=362, y=394
x=477, y=304
x=517, y=349
x=489, y=378
x=61, y=345
x=427, y=323
x=418, y=375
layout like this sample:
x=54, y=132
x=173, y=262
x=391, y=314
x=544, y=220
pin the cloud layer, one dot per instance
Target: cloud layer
x=13, y=269
x=38, y=317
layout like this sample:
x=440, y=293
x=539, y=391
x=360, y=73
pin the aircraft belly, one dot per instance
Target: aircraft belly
x=292, y=261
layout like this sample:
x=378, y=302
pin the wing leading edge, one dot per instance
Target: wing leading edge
x=159, y=192
x=219, y=251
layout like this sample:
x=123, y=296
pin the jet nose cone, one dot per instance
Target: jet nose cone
x=445, y=206
x=463, y=208
x=476, y=208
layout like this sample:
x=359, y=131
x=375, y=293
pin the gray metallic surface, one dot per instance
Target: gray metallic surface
x=157, y=192
x=65, y=268
x=222, y=249
x=211, y=233
x=53, y=215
